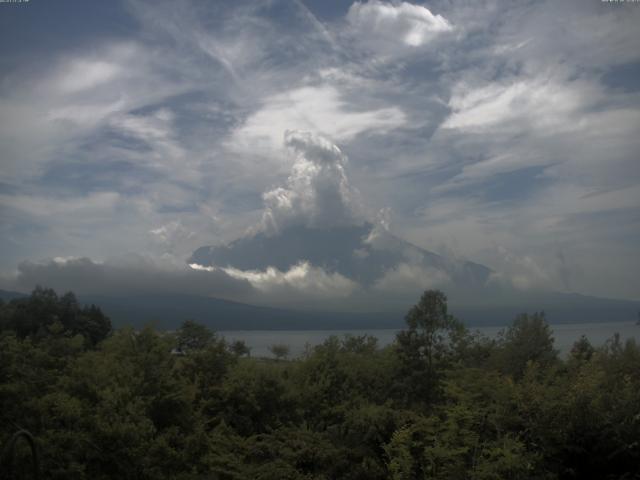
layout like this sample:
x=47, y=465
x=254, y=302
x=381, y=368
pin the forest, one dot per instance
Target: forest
x=441, y=402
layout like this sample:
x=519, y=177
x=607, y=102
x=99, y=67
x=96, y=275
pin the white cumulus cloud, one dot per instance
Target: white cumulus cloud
x=317, y=192
x=300, y=278
x=390, y=28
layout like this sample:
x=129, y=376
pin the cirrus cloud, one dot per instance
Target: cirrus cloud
x=321, y=109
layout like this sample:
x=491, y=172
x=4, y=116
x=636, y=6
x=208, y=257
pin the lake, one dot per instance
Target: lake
x=564, y=334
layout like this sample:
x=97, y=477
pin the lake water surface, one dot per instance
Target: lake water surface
x=564, y=334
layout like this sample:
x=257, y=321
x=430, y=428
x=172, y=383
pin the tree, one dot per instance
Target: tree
x=427, y=344
x=193, y=336
x=240, y=348
x=92, y=324
x=280, y=351
x=360, y=344
x=582, y=349
x=528, y=339
x=43, y=310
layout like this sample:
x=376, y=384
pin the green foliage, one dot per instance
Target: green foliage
x=582, y=350
x=280, y=351
x=440, y=403
x=427, y=347
x=193, y=336
x=528, y=339
x=255, y=398
x=240, y=348
x=43, y=313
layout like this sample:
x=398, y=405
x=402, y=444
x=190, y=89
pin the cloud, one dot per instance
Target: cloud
x=125, y=276
x=95, y=205
x=519, y=272
x=85, y=74
x=315, y=240
x=302, y=279
x=133, y=275
x=67, y=113
x=509, y=124
x=393, y=28
x=317, y=192
x=537, y=102
x=152, y=142
x=321, y=109
x=410, y=279
x=547, y=34
x=104, y=224
x=172, y=235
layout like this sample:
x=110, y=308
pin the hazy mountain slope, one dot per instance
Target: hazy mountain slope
x=7, y=295
x=168, y=311
x=366, y=253
x=361, y=253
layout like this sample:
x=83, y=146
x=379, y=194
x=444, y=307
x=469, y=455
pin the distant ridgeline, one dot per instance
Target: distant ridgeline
x=7, y=295
x=167, y=311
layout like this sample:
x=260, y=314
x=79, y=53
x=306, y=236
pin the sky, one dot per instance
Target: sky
x=133, y=132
